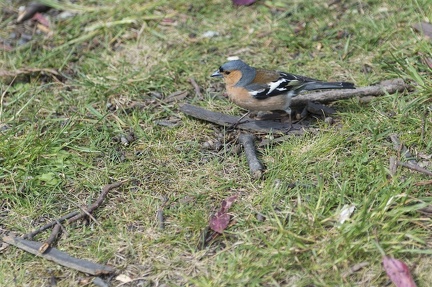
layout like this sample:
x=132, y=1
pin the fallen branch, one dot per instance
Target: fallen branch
x=393, y=165
x=48, y=243
x=383, y=88
x=97, y=203
x=59, y=257
x=71, y=217
x=160, y=215
x=260, y=126
x=49, y=225
x=415, y=167
x=255, y=166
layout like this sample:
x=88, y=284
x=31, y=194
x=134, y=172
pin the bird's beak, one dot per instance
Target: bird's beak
x=216, y=74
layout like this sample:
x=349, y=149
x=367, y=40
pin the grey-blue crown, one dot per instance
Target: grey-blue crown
x=234, y=65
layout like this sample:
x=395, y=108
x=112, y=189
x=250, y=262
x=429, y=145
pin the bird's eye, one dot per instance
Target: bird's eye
x=227, y=72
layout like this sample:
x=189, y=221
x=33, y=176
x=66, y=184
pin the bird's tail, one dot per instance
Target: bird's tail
x=327, y=85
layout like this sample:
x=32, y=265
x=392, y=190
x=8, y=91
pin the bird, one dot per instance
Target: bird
x=257, y=89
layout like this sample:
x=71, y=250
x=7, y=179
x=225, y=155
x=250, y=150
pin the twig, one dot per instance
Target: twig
x=415, y=167
x=54, y=233
x=97, y=203
x=393, y=165
x=59, y=257
x=260, y=126
x=196, y=87
x=383, y=88
x=160, y=215
x=206, y=236
x=426, y=182
x=427, y=210
x=423, y=126
x=255, y=166
x=49, y=225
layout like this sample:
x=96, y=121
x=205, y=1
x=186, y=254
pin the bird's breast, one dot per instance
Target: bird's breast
x=242, y=98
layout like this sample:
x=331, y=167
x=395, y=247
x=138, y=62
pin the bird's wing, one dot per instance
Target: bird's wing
x=283, y=84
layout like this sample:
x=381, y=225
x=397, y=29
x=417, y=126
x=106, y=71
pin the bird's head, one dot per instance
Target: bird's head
x=235, y=72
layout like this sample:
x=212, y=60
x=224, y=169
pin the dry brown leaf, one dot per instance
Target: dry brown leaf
x=220, y=220
x=398, y=272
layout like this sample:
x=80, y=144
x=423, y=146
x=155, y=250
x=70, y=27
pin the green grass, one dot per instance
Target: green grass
x=58, y=144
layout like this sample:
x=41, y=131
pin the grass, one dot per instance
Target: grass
x=58, y=143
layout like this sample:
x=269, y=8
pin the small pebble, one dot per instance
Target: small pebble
x=329, y=120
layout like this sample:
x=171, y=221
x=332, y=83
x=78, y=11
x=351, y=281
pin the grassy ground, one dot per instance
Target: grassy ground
x=59, y=143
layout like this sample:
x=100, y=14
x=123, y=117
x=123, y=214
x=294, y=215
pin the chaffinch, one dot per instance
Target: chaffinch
x=257, y=89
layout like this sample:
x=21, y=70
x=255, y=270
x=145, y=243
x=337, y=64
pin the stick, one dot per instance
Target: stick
x=196, y=87
x=49, y=225
x=389, y=86
x=415, y=167
x=59, y=257
x=160, y=215
x=54, y=233
x=260, y=126
x=97, y=203
x=255, y=166
x=393, y=165
x=420, y=183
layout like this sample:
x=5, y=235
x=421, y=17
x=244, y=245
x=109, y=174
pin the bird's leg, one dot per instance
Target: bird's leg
x=289, y=111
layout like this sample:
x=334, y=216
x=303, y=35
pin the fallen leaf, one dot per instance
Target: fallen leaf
x=345, y=213
x=210, y=34
x=398, y=272
x=243, y=2
x=123, y=278
x=220, y=220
